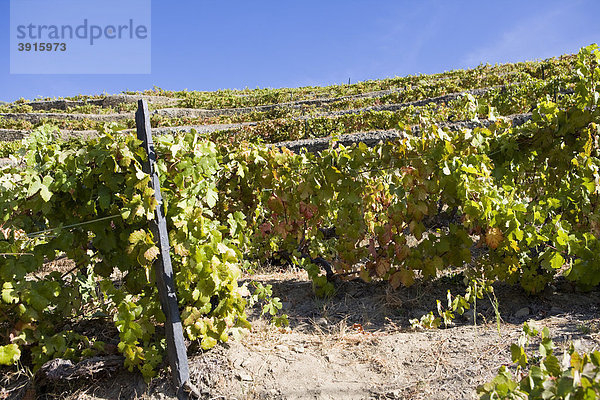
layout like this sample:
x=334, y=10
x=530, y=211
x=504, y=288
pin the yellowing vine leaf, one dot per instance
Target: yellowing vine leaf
x=180, y=250
x=493, y=238
x=383, y=266
x=405, y=277
x=364, y=275
x=138, y=236
x=151, y=253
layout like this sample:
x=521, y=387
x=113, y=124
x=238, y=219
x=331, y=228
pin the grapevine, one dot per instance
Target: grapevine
x=519, y=204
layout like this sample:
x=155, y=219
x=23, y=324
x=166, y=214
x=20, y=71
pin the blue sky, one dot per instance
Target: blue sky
x=209, y=45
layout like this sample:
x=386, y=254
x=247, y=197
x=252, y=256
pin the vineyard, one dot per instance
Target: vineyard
x=413, y=237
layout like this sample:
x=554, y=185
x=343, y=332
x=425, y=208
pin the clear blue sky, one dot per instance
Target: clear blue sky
x=208, y=45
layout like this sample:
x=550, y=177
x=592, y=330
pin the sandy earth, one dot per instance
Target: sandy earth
x=359, y=345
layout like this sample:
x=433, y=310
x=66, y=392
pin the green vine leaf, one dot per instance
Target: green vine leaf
x=9, y=354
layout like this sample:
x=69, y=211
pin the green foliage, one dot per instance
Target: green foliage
x=9, y=148
x=427, y=321
x=12, y=123
x=455, y=304
x=375, y=195
x=17, y=107
x=511, y=89
x=271, y=306
x=401, y=89
x=528, y=196
x=90, y=201
x=543, y=375
x=9, y=354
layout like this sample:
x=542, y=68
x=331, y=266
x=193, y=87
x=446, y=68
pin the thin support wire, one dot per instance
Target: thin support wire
x=41, y=233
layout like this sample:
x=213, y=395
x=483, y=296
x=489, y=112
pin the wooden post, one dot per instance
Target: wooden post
x=163, y=269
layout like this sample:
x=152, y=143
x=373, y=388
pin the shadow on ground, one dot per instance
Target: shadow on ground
x=378, y=307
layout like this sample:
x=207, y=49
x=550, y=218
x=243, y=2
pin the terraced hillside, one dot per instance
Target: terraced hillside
x=385, y=239
x=275, y=115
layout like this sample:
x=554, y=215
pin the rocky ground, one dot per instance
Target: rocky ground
x=356, y=345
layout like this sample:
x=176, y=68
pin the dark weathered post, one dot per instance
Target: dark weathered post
x=163, y=269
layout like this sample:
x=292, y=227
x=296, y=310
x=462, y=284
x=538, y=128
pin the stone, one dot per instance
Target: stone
x=555, y=310
x=468, y=315
x=244, y=376
x=298, y=349
x=237, y=363
x=522, y=312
